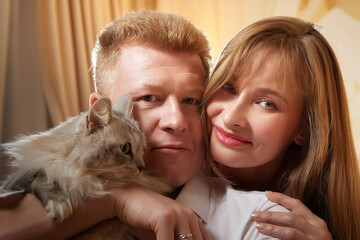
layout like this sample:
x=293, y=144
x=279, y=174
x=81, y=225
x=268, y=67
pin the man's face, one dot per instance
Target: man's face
x=166, y=88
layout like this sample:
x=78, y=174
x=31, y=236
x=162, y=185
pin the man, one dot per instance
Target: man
x=163, y=66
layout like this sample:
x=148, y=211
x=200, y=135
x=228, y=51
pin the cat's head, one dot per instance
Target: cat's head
x=113, y=139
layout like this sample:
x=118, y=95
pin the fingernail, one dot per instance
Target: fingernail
x=255, y=215
x=260, y=226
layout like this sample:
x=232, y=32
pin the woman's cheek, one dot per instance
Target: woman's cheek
x=210, y=110
x=214, y=107
x=265, y=129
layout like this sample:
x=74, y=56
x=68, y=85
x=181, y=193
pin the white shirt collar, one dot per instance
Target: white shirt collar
x=196, y=195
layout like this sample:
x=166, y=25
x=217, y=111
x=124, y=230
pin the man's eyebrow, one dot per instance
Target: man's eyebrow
x=151, y=85
x=271, y=92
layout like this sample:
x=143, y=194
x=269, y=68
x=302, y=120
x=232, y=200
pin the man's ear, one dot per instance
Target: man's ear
x=94, y=97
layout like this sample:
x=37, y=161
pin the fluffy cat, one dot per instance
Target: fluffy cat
x=99, y=148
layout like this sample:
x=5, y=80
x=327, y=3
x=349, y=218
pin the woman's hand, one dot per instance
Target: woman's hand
x=300, y=223
x=142, y=208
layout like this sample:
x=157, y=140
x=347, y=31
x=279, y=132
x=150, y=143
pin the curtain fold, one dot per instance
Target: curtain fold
x=4, y=43
x=57, y=59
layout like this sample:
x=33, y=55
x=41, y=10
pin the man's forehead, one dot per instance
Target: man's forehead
x=192, y=86
x=144, y=69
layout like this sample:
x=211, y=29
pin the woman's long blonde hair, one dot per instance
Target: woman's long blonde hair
x=324, y=173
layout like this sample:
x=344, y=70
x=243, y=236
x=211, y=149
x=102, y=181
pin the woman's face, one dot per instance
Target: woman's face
x=253, y=125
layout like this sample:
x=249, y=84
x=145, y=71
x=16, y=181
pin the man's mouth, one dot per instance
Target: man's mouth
x=170, y=148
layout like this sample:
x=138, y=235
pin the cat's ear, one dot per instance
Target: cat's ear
x=123, y=106
x=100, y=115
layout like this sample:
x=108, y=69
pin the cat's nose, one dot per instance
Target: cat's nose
x=140, y=168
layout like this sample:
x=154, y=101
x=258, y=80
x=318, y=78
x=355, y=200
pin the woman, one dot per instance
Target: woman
x=278, y=119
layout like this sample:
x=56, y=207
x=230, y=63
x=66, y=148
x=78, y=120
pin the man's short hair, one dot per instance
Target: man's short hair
x=159, y=29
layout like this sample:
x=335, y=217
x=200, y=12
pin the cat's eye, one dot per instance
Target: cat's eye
x=126, y=148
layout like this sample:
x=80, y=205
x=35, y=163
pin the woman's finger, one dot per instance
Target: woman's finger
x=188, y=227
x=284, y=219
x=281, y=232
x=204, y=232
x=294, y=205
x=195, y=229
x=180, y=221
x=280, y=218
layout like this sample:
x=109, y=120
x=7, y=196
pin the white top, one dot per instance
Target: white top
x=226, y=211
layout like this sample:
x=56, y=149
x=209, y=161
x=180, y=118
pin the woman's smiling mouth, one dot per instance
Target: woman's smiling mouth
x=229, y=139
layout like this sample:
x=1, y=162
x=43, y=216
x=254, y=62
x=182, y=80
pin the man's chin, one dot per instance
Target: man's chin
x=175, y=170
x=173, y=176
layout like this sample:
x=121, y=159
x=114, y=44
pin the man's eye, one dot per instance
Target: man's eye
x=191, y=101
x=229, y=88
x=148, y=98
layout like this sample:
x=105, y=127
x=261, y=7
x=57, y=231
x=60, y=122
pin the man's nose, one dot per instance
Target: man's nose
x=235, y=114
x=172, y=116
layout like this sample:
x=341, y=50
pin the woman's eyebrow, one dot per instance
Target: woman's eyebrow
x=271, y=92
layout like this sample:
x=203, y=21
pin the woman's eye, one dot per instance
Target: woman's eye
x=148, y=98
x=230, y=88
x=126, y=148
x=266, y=104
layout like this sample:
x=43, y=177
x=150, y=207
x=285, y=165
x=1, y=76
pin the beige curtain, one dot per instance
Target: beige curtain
x=4, y=40
x=46, y=44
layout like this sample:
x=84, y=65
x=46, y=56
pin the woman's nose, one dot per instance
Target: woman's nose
x=235, y=114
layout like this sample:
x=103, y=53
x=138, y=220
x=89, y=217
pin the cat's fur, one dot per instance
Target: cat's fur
x=79, y=158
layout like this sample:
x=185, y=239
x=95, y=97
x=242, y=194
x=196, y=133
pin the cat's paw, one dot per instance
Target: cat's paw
x=59, y=209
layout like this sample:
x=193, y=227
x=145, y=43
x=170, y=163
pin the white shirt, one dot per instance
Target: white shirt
x=226, y=211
